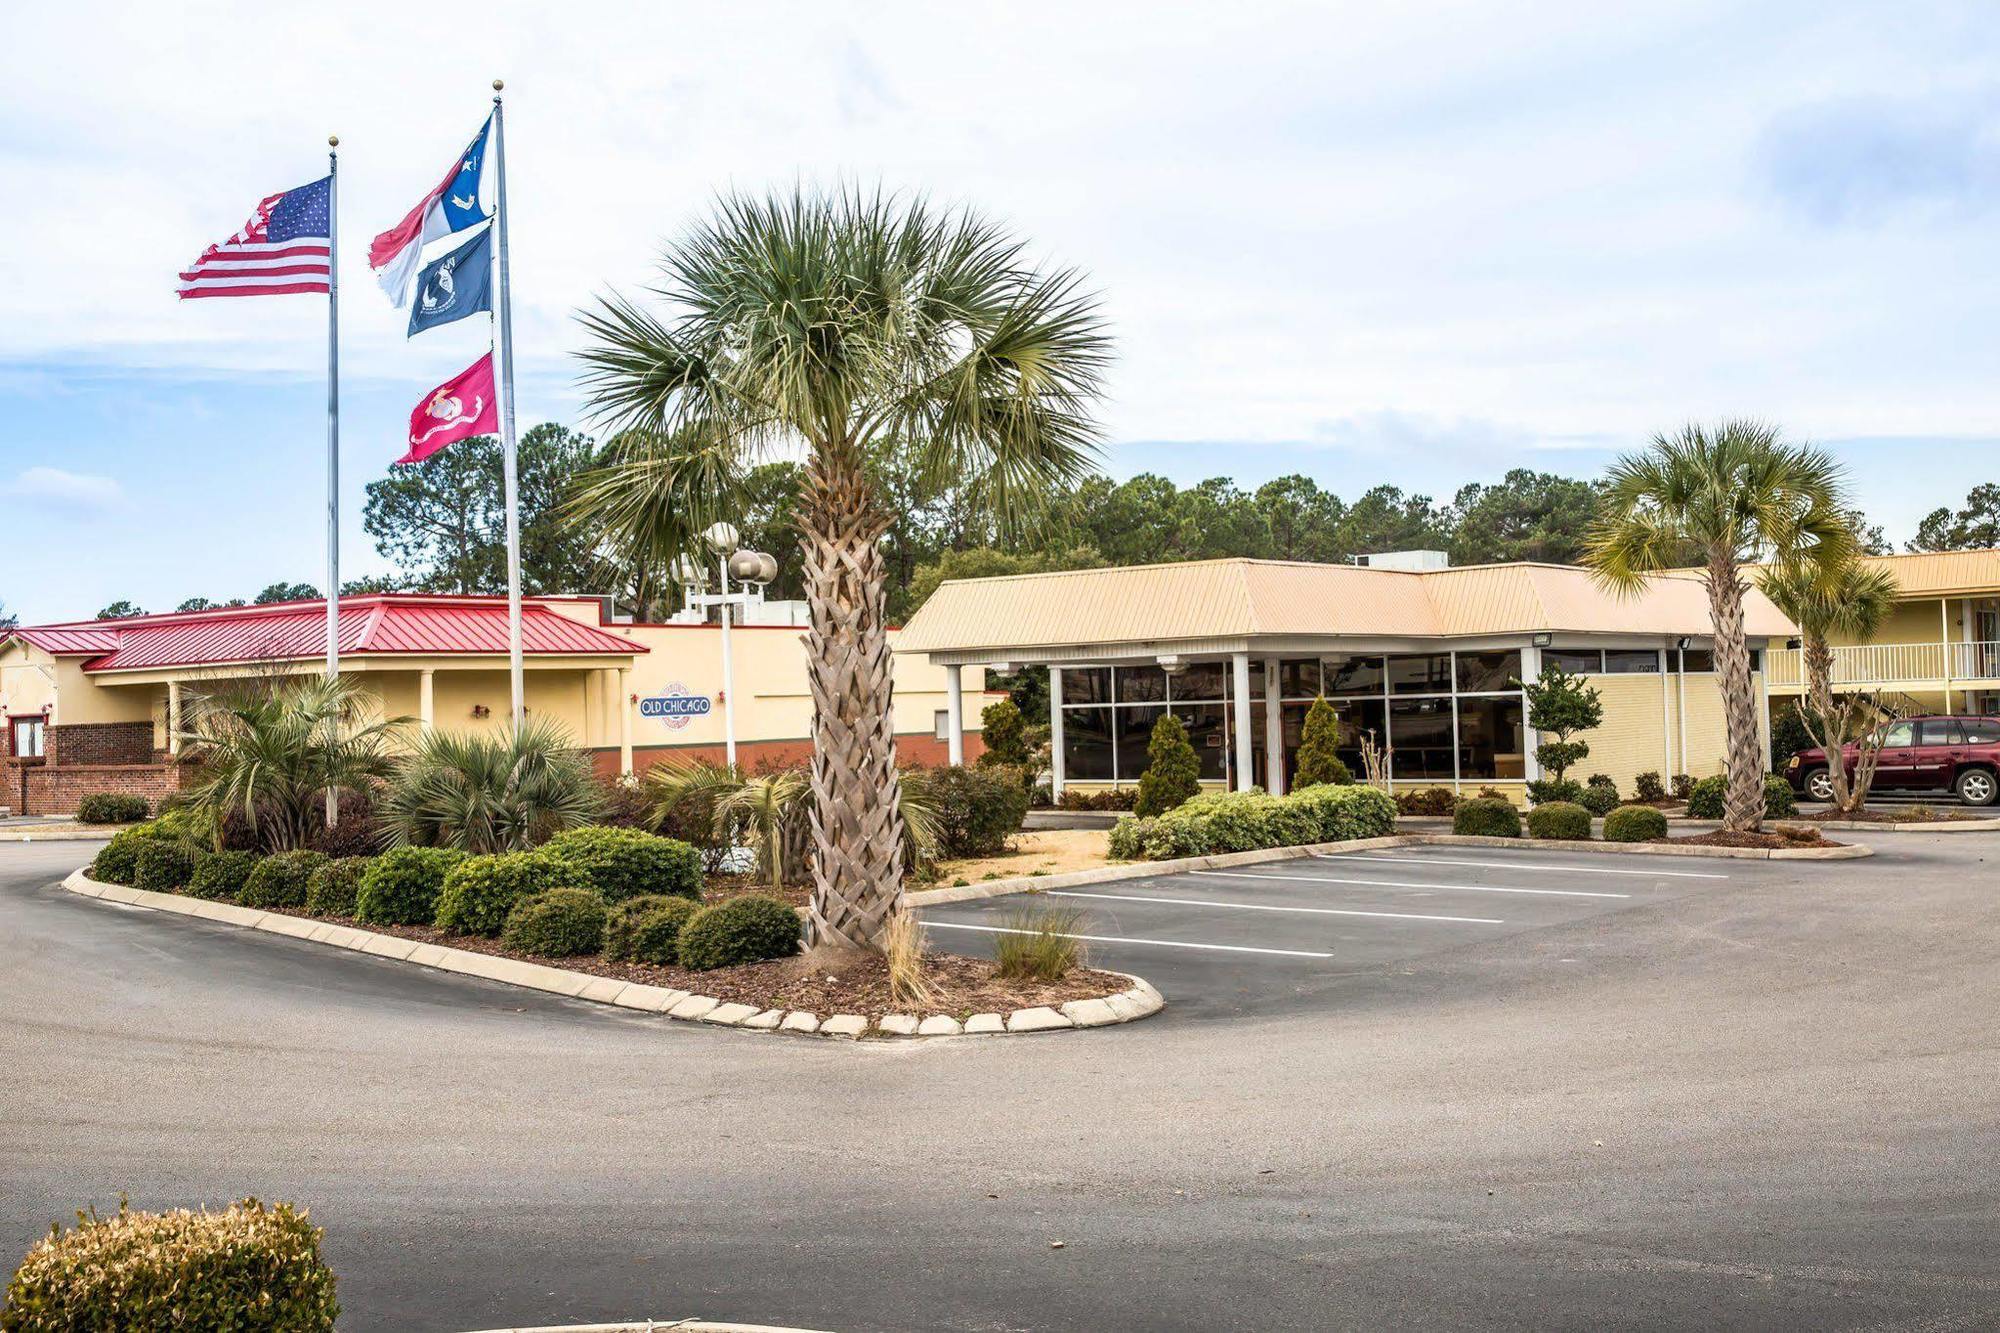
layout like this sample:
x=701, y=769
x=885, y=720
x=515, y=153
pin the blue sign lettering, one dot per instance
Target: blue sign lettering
x=675, y=705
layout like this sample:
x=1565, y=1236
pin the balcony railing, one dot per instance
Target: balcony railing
x=1894, y=664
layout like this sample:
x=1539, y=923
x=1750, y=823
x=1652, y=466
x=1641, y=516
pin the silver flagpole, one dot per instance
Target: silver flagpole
x=332, y=431
x=503, y=352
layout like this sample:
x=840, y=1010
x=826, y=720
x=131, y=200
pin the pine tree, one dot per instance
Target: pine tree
x=1173, y=769
x=1319, y=760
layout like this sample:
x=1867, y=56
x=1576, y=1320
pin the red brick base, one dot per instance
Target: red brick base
x=100, y=743
x=49, y=789
x=913, y=750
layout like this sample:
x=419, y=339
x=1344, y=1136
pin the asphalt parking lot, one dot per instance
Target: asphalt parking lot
x=1281, y=935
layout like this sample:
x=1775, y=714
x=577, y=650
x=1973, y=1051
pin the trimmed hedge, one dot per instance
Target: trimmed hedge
x=401, y=887
x=281, y=879
x=248, y=1268
x=560, y=923
x=111, y=807
x=1600, y=795
x=1343, y=813
x=1247, y=821
x=1559, y=821
x=1433, y=801
x=1707, y=798
x=747, y=929
x=976, y=810
x=117, y=862
x=220, y=876
x=622, y=863
x=1485, y=818
x=336, y=885
x=648, y=929
x=163, y=865
x=1634, y=823
x=480, y=891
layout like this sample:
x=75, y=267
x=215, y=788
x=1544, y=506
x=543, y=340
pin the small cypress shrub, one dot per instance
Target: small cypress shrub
x=281, y=879
x=1173, y=769
x=481, y=891
x=1634, y=823
x=1319, y=743
x=248, y=1268
x=1004, y=735
x=401, y=886
x=111, y=807
x=623, y=863
x=1559, y=821
x=560, y=923
x=1486, y=819
x=220, y=876
x=164, y=865
x=747, y=929
x=335, y=886
x=647, y=929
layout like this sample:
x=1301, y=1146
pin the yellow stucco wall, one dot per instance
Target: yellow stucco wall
x=27, y=679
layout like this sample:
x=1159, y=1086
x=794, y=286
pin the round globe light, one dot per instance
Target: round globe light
x=722, y=539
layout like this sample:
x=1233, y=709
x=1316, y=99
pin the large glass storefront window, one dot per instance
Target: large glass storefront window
x=1108, y=716
x=1420, y=737
x=1491, y=738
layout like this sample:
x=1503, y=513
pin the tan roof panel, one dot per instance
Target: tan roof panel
x=1212, y=599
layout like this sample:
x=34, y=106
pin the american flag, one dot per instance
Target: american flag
x=282, y=249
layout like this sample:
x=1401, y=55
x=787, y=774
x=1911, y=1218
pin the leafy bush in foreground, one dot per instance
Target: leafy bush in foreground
x=401, y=886
x=111, y=807
x=117, y=862
x=648, y=929
x=481, y=891
x=1561, y=821
x=220, y=876
x=622, y=863
x=558, y=924
x=1487, y=819
x=163, y=865
x=336, y=885
x=1706, y=799
x=974, y=810
x=747, y=929
x=1599, y=795
x=281, y=879
x=1634, y=823
x=1246, y=821
x=247, y=1269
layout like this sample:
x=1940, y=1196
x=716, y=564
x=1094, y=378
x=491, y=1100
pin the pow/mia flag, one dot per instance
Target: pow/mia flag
x=454, y=285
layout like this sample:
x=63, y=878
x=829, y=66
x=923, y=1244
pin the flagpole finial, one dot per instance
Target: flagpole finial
x=333, y=141
x=497, y=86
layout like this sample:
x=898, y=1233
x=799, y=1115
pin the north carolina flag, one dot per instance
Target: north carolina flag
x=458, y=202
x=456, y=410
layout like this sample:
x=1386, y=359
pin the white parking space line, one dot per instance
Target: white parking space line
x=1514, y=865
x=1407, y=884
x=1263, y=907
x=1121, y=939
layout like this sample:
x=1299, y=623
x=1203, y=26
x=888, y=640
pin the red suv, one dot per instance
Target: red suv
x=1955, y=754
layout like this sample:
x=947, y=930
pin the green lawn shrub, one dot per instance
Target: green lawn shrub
x=1708, y=798
x=746, y=929
x=1543, y=790
x=111, y=807
x=1635, y=823
x=117, y=861
x=1780, y=802
x=1215, y=822
x=1173, y=769
x=248, y=1268
x=560, y=923
x=481, y=891
x=1128, y=838
x=1648, y=787
x=976, y=810
x=164, y=865
x=1107, y=799
x=1486, y=819
x=647, y=929
x=281, y=879
x=1559, y=821
x=401, y=886
x=1600, y=795
x=1429, y=801
x=335, y=886
x=621, y=863
x=1343, y=813
x=220, y=876
x=1319, y=742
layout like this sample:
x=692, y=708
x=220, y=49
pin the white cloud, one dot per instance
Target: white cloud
x=77, y=492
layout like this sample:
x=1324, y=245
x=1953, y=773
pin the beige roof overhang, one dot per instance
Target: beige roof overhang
x=1214, y=606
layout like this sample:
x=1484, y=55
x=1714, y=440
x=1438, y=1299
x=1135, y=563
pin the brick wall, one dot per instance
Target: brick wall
x=100, y=743
x=914, y=750
x=52, y=790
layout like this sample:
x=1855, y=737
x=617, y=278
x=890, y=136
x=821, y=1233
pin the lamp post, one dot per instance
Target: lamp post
x=749, y=567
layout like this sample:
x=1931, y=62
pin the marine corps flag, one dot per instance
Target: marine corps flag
x=454, y=285
x=458, y=409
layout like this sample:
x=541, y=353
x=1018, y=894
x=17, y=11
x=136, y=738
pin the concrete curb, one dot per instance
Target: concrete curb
x=1908, y=826
x=1139, y=1001
x=656, y=1326
x=98, y=834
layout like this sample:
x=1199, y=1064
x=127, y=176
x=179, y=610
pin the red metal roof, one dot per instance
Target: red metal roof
x=291, y=631
x=60, y=642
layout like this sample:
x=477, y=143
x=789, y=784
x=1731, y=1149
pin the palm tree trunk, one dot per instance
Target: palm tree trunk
x=857, y=870
x=1821, y=722
x=1743, y=804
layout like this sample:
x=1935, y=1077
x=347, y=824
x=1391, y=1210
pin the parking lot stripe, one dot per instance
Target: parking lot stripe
x=1516, y=865
x=1265, y=907
x=1121, y=939
x=1408, y=884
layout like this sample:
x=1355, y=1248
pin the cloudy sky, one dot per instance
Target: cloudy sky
x=1418, y=244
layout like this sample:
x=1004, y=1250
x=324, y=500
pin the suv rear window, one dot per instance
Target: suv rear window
x=1982, y=733
x=1939, y=731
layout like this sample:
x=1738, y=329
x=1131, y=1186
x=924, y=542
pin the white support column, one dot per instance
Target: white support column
x=1531, y=671
x=1055, y=734
x=1667, y=721
x=1944, y=647
x=954, y=725
x=426, y=699
x=1274, y=730
x=624, y=707
x=174, y=718
x=1764, y=715
x=1239, y=666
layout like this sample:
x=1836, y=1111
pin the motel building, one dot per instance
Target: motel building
x=94, y=705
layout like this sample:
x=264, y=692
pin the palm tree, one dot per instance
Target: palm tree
x=1725, y=498
x=276, y=749
x=481, y=793
x=847, y=329
x=1852, y=600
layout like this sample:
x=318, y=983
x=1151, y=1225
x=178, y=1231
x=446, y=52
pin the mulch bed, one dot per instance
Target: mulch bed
x=848, y=984
x=1911, y=815
x=1772, y=841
